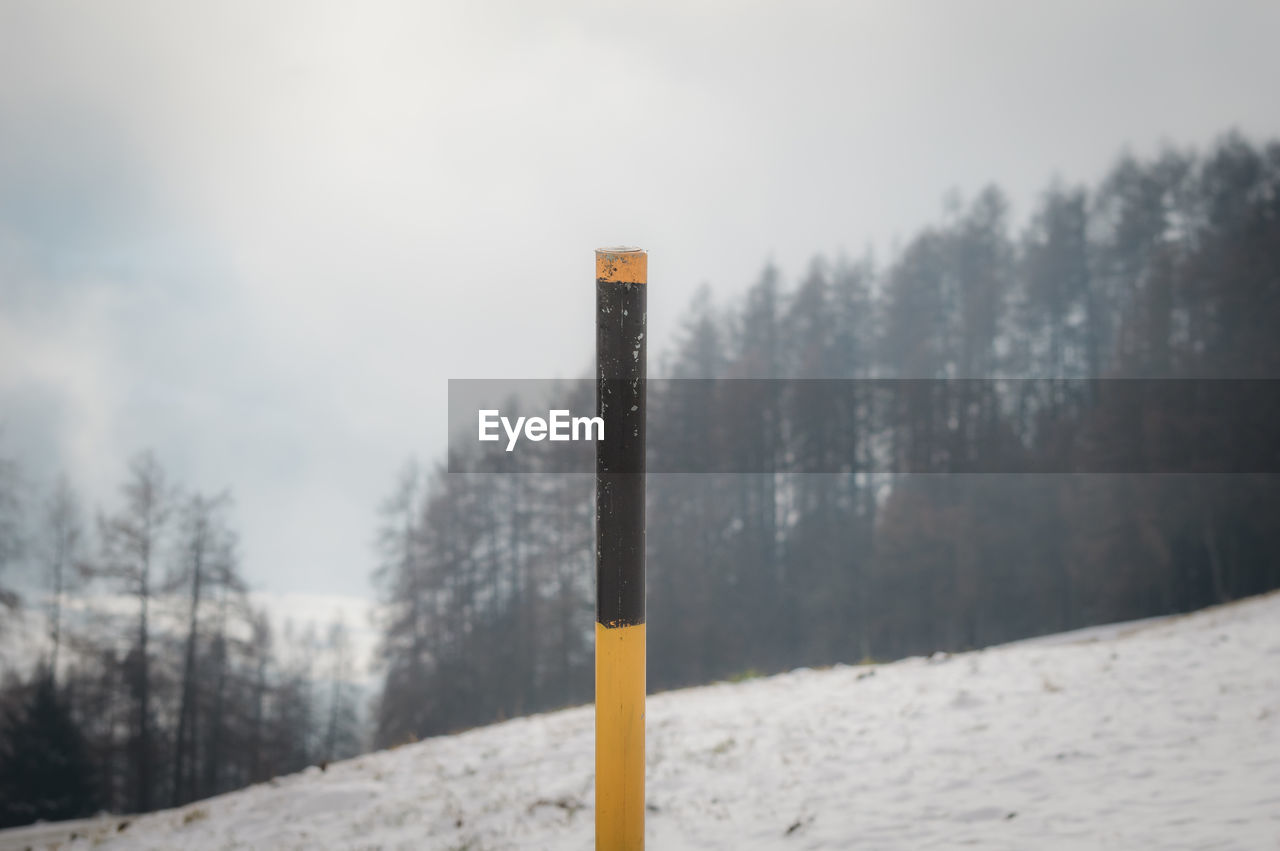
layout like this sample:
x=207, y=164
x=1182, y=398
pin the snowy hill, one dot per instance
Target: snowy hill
x=1159, y=734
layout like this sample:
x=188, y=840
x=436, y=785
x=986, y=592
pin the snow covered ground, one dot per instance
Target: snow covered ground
x=1162, y=734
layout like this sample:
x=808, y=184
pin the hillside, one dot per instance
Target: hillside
x=1158, y=734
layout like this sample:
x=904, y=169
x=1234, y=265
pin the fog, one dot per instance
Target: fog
x=260, y=239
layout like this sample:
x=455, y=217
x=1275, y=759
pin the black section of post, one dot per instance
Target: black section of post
x=620, y=456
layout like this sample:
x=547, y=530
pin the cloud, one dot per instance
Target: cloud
x=261, y=237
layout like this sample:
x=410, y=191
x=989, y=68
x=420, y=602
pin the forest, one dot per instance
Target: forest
x=160, y=681
x=1168, y=268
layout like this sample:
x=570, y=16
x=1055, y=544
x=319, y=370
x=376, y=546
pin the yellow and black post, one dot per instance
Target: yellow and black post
x=621, y=281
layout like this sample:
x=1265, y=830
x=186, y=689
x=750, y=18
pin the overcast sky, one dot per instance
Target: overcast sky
x=259, y=237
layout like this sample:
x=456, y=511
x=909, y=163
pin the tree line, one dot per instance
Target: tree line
x=1168, y=268
x=156, y=680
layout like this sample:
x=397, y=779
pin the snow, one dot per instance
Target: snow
x=1161, y=734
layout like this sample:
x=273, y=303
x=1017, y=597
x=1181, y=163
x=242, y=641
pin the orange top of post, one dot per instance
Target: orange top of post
x=622, y=265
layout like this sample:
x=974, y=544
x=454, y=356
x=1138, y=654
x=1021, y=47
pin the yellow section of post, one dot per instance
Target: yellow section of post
x=620, y=679
x=622, y=265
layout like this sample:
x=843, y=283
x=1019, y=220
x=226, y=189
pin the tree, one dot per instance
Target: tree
x=261, y=650
x=61, y=556
x=341, y=736
x=1168, y=268
x=45, y=771
x=401, y=579
x=132, y=541
x=10, y=527
x=206, y=566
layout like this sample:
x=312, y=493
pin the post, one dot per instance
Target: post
x=621, y=281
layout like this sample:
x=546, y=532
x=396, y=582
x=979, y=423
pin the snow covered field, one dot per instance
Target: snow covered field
x=1164, y=734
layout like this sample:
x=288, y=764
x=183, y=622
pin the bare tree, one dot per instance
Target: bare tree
x=204, y=566
x=10, y=527
x=132, y=541
x=261, y=655
x=341, y=739
x=61, y=557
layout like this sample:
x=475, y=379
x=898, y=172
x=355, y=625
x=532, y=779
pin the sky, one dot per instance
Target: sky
x=259, y=238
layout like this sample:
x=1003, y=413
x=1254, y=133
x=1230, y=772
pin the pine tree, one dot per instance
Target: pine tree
x=45, y=771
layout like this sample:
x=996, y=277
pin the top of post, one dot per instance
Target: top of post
x=622, y=265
